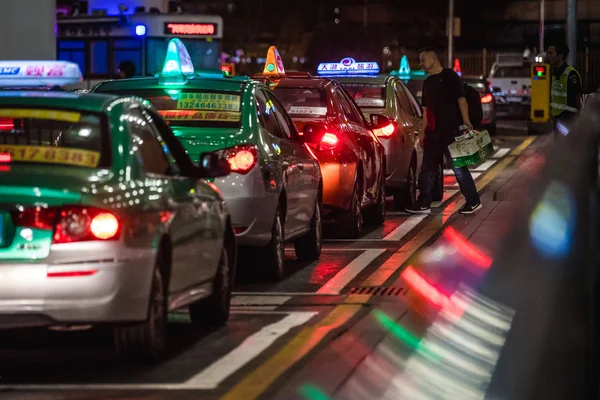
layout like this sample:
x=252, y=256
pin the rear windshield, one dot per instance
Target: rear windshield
x=303, y=102
x=477, y=85
x=367, y=95
x=65, y=137
x=520, y=71
x=416, y=87
x=194, y=107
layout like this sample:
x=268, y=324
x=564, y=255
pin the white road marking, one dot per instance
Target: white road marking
x=512, y=127
x=212, y=376
x=349, y=272
x=448, y=172
x=485, y=165
x=405, y=227
x=252, y=308
x=448, y=193
x=501, y=153
x=282, y=293
x=254, y=300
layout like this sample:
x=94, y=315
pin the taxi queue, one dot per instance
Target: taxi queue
x=129, y=202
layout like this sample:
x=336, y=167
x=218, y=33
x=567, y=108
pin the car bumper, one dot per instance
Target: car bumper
x=338, y=184
x=251, y=206
x=79, y=283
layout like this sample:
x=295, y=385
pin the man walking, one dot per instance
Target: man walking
x=566, y=89
x=445, y=110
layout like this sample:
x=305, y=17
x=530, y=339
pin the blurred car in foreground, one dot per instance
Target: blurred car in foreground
x=104, y=219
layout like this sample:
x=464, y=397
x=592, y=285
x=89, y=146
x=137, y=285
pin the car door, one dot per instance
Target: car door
x=269, y=110
x=366, y=141
x=408, y=114
x=304, y=190
x=207, y=205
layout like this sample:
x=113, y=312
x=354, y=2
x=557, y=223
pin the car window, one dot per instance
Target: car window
x=403, y=100
x=148, y=149
x=158, y=136
x=266, y=115
x=303, y=102
x=413, y=101
x=287, y=128
x=348, y=110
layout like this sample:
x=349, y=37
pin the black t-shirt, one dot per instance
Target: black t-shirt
x=440, y=96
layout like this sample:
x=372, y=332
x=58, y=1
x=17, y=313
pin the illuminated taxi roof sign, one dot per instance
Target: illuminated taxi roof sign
x=404, y=71
x=38, y=73
x=273, y=63
x=178, y=65
x=348, y=66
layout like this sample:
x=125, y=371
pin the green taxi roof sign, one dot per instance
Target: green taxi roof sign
x=404, y=71
x=178, y=66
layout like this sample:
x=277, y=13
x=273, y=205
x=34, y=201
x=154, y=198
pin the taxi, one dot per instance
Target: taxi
x=104, y=219
x=352, y=158
x=274, y=190
x=386, y=96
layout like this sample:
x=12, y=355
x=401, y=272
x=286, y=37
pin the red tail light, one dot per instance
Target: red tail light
x=486, y=99
x=72, y=223
x=385, y=132
x=7, y=124
x=329, y=141
x=5, y=157
x=242, y=158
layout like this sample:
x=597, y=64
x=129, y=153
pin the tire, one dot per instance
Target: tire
x=273, y=261
x=214, y=310
x=308, y=247
x=407, y=196
x=437, y=193
x=375, y=215
x=146, y=341
x=349, y=223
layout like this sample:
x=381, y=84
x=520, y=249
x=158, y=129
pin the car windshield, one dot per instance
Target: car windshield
x=53, y=136
x=194, y=107
x=518, y=71
x=303, y=102
x=367, y=95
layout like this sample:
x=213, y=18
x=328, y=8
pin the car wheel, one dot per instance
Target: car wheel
x=406, y=197
x=437, y=194
x=214, y=310
x=350, y=223
x=147, y=340
x=274, y=253
x=308, y=247
x=376, y=215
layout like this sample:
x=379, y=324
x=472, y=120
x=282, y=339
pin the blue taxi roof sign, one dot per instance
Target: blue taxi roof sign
x=178, y=66
x=34, y=73
x=348, y=66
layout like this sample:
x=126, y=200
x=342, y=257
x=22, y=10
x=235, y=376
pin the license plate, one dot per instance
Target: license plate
x=513, y=99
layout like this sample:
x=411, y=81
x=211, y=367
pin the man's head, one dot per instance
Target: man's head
x=557, y=54
x=429, y=59
x=126, y=69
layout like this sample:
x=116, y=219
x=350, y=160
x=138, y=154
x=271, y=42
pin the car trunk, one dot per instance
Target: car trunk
x=197, y=141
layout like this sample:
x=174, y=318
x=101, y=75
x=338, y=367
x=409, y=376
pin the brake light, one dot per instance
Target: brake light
x=329, y=141
x=385, y=132
x=5, y=157
x=242, y=158
x=7, y=124
x=488, y=98
x=72, y=223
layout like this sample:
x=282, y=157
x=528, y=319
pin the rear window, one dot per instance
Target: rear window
x=519, y=71
x=65, y=137
x=477, y=85
x=367, y=95
x=416, y=87
x=194, y=107
x=303, y=102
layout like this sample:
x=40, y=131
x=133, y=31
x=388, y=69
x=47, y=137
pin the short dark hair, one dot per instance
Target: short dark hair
x=128, y=67
x=430, y=49
x=561, y=48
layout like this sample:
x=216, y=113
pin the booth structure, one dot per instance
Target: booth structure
x=540, y=120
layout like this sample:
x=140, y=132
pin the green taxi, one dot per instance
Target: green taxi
x=274, y=190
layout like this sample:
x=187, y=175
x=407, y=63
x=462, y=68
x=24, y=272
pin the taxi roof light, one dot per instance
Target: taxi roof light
x=405, y=72
x=349, y=66
x=273, y=64
x=178, y=66
x=38, y=73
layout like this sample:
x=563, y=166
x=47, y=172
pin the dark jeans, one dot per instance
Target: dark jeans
x=432, y=158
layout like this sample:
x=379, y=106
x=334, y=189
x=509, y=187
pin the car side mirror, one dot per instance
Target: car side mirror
x=213, y=165
x=311, y=134
x=379, y=121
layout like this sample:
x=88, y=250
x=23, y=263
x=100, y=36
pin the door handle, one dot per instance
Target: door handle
x=300, y=166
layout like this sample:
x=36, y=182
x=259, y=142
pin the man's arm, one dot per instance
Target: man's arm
x=423, y=127
x=464, y=111
x=458, y=90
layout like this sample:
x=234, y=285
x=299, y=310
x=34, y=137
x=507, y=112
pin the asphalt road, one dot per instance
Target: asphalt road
x=307, y=337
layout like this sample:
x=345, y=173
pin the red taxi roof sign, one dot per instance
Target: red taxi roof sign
x=38, y=73
x=273, y=64
x=457, y=68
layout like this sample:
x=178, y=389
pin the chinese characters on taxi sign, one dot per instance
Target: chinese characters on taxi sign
x=208, y=101
x=38, y=73
x=194, y=115
x=348, y=66
x=52, y=155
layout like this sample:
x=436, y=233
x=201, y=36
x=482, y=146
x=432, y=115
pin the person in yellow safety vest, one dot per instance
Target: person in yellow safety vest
x=566, y=89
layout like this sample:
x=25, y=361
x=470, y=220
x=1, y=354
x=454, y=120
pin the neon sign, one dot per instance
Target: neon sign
x=178, y=64
x=38, y=73
x=172, y=28
x=348, y=66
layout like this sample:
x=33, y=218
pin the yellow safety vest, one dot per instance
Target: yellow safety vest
x=558, y=102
